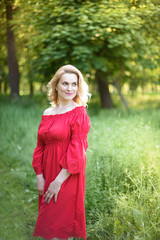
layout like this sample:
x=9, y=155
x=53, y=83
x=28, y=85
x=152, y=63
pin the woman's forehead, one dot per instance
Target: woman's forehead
x=69, y=77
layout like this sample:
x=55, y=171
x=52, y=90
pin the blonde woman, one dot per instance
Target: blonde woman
x=59, y=160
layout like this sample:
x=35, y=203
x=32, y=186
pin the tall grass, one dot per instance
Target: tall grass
x=122, y=176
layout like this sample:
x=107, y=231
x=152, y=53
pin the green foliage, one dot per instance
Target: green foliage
x=122, y=187
x=3, y=50
x=105, y=35
x=122, y=175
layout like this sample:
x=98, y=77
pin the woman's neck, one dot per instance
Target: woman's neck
x=62, y=105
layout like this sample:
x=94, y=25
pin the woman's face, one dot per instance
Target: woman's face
x=67, y=86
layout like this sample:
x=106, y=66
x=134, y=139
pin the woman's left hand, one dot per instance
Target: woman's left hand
x=52, y=190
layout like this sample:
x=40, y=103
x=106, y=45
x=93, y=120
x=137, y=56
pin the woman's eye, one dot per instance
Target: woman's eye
x=64, y=83
x=74, y=84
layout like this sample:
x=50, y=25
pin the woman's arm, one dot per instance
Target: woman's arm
x=55, y=186
x=62, y=176
x=40, y=184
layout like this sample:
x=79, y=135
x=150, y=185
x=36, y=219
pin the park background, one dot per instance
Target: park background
x=115, y=44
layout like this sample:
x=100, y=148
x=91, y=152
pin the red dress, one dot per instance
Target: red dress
x=62, y=143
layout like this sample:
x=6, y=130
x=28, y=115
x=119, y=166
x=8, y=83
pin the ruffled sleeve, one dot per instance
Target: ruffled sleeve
x=38, y=153
x=74, y=160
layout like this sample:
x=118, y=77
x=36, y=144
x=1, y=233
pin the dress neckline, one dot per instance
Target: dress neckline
x=70, y=111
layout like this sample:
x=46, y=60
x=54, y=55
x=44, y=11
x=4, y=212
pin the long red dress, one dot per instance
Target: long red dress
x=62, y=143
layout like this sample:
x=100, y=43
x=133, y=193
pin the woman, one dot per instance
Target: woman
x=59, y=160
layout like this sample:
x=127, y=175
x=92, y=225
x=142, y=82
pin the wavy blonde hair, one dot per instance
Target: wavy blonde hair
x=83, y=94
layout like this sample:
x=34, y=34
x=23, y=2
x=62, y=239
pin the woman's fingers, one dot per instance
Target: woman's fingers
x=40, y=193
x=55, y=198
x=40, y=184
x=48, y=197
x=52, y=190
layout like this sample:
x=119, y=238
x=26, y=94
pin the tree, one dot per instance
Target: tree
x=93, y=35
x=8, y=6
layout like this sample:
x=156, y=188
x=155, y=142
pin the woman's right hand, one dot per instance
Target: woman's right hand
x=40, y=184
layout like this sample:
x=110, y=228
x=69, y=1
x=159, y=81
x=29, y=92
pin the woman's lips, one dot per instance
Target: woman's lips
x=69, y=94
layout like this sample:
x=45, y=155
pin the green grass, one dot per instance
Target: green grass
x=122, y=175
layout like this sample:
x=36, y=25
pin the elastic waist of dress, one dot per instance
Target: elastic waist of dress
x=57, y=143
x=79, y=137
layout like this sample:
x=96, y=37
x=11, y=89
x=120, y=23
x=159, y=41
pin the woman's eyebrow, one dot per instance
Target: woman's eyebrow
x=67, y=82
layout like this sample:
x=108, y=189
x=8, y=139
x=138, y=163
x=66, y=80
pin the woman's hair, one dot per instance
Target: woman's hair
x=82, y=95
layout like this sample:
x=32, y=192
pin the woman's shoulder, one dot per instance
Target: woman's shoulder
x=81, y=110
x=81, y=121
x=48, y=111
x=81, y=114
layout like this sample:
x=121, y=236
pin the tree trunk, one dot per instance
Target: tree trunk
x=5, y=87
x=121, y=96
x=132, y=85
x=0, y=86
x=106, y=100
x=31, y=89
x=12, y=61
x=143, y=80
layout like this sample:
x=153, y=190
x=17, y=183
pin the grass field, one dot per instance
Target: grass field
x=122, y=175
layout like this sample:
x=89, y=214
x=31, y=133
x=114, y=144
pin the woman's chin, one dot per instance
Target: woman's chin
x=69, y=96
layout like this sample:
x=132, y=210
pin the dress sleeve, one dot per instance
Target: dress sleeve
x=74, y=160
x=38, y=154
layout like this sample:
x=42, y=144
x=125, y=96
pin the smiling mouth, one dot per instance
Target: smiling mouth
x=69, y=93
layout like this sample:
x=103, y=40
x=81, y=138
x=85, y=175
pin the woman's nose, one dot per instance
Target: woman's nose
x=69, y=87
